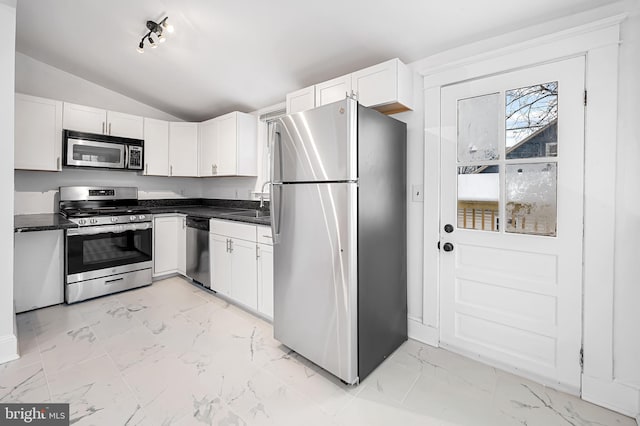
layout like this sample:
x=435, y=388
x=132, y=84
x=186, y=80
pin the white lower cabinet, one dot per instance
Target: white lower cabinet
x=182, y=244
x=220, y=266
x=265, y=271
x=38, y=269
x=242, y=265
x=233, y=261
x=169, y=244
x=244, y=287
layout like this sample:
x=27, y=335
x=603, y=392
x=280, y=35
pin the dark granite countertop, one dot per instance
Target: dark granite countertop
x=212, y=212
x=41, y=222
x=205, y=208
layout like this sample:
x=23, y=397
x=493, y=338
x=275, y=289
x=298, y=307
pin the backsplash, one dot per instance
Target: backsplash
x=37, y=192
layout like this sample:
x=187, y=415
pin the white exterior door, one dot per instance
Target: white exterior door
x=512, y=149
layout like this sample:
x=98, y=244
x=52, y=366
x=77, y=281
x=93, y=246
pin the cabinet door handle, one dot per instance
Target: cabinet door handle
x=257, y=252
x=227, y=248
x=103, y=132
x=58, y=164
x=146, y=168
x=230, y=246
x=170, y=170
x=212, y=170
x=109, y=128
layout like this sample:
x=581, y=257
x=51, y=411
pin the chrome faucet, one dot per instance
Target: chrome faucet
x=262, y=194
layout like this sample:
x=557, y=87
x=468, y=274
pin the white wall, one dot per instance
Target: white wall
x=8, y=343
x=39, y=79
x=415, y=225
x=626, y=336
x=37, y=192
x=626, y=346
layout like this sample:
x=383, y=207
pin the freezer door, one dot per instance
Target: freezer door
x=315, y=274
x=317, y=145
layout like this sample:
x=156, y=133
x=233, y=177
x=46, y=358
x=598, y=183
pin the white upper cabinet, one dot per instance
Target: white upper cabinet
x=301, y=100
x=87, y=119
x=38, y=133
x=386, y=87
x=156, y=147
x=333, y=90
x=228, y=145
x=208, y=150
x=84, y=118
x=183, y=149
x=125, y=125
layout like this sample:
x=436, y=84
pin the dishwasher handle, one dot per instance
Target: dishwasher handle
x=198, y=223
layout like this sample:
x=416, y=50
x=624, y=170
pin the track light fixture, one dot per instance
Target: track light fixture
x=157, y=31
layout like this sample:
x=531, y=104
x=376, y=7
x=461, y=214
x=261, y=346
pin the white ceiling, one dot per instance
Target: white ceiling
x=244, y=55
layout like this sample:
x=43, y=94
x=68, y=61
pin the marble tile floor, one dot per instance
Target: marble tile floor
x=173, y=354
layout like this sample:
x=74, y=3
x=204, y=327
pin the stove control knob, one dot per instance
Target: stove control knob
x=82, y=221
x=141, y=217
x=93, y=221
x=132, y=217
x=114, y=219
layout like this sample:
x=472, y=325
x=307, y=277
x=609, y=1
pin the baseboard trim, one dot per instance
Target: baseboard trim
x=423, y=333
x=8, y=348
x=612, y=395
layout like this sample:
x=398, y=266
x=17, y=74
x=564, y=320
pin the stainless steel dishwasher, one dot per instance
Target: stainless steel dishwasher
x=198, y=250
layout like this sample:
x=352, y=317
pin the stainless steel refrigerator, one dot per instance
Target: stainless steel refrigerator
x=338, y=211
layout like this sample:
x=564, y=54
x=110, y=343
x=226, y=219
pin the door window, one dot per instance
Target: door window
x=493, y=179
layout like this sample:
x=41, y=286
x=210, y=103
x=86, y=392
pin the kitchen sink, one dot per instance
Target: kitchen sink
x=251, y=213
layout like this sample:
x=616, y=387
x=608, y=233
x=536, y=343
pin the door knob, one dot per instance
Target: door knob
x=448, y=228
x=447, y=247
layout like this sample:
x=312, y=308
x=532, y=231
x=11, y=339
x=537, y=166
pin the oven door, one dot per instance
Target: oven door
x=88, y=153
x=99, y=251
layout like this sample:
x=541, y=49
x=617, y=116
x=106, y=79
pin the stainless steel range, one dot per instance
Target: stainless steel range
x=111, y=250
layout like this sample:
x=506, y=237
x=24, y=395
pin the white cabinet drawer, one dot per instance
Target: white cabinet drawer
x=231, y=229
x=264, y=235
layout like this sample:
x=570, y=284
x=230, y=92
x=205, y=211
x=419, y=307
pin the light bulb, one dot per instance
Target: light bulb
x=169, y=28
x=140, y=48
x=152, y=43
x=162, y=38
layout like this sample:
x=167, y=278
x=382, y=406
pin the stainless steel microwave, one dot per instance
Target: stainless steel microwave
x=101, y=151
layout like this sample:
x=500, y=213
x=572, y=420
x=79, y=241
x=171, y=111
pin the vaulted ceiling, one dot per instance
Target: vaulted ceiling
x=247, y=54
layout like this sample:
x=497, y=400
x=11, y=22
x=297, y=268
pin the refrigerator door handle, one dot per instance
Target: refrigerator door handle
x=276, y=211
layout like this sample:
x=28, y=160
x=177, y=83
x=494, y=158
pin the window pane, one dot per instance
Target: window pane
x=478, y=128
x=478, y=197
x=531, y=127
x=531, y=206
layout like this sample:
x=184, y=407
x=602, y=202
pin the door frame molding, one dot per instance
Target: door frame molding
x=599, y=42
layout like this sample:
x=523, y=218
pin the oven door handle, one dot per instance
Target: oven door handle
x=114, y=229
